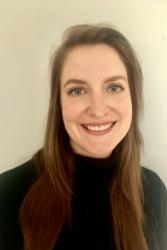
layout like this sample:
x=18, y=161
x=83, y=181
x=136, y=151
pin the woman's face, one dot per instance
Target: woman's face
x=95, y=99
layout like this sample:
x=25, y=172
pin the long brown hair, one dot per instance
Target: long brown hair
x=47, y=205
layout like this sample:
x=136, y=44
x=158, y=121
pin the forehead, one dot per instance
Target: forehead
x=89, y=60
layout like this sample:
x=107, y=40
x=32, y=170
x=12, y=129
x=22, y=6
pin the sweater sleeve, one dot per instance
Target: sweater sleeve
x=155, y=210
x=14, y=184
x=162, y=225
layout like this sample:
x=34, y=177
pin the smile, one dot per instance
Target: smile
x=98, y=130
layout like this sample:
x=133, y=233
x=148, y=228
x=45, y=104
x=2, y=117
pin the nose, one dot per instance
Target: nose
x=98, y=106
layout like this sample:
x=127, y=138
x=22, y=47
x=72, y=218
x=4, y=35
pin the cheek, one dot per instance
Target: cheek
x=125, y=108
x=127, y=111
x=124, y=105
x=71, y=112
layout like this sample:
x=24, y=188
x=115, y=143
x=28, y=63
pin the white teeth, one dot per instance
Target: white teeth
x=98, y=128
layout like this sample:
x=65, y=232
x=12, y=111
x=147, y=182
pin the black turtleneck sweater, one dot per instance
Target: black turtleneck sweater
x=91, y=226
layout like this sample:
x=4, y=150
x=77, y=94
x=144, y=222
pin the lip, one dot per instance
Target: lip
x=99, y=133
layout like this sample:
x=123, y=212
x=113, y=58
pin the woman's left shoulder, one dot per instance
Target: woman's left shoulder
x=153, y=181
x=155, y=206
x=155, y=196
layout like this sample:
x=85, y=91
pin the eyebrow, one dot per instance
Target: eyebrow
x=80, y=81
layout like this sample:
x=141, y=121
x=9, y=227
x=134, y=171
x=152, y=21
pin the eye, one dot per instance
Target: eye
x=76, y=91
x=115, y=88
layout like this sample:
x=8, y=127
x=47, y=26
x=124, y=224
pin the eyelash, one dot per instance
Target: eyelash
x=71, y=91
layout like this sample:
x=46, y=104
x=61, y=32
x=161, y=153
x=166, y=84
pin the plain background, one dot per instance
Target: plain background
x=29, y=33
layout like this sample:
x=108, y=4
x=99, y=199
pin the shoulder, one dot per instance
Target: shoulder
x=19, y=175
x=151, y=177
x=15, y=182
x=152, y=182
x=155, y=194
x=153, y=185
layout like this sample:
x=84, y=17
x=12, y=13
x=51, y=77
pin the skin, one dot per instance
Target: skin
x=94, y=100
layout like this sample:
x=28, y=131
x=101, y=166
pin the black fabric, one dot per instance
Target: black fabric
x=91, y=227
x=92, y=217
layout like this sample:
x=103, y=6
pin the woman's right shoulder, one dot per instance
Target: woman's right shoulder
x=22, y=172
x=15, y=182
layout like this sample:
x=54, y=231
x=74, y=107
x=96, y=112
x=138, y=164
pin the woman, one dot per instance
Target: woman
x=85, y=189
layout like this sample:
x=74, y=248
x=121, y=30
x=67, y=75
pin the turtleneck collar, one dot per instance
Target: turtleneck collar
x=93, y=174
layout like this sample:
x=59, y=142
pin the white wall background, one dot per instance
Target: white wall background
x=29, y=30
